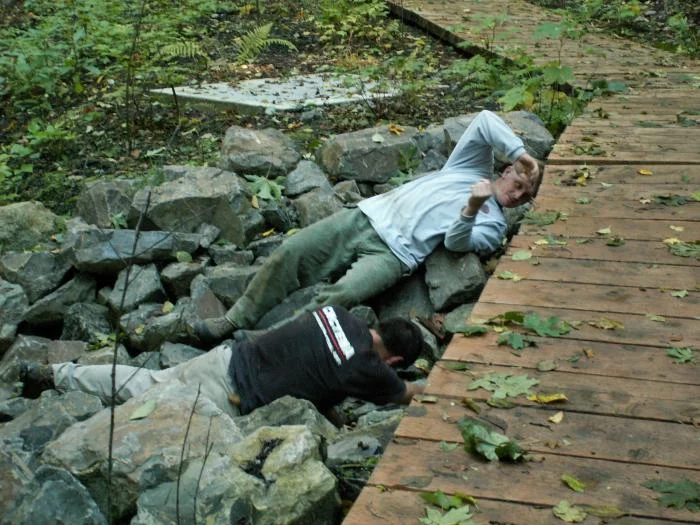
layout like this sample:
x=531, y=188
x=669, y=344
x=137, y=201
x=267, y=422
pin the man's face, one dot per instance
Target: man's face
x=513, y=188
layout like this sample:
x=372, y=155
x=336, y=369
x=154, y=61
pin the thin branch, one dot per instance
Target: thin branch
x=182, y=455
x=207, y=450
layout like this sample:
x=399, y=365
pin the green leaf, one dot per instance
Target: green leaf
x=541, y=218
x=682, y=355
x=456, y=366
x=504, y=385
x=616, y=87
x=522, y=255
x=515, y=340
x=455, y=516
x=478, y=439
x=686, y=249
x=583, y=200
x=500, y=403
x=573, y=483
x=682, y=494
x=473, y=330
x=144, y=410
x=551, y=327
x=680, y=293
x=507, y=318
x=442, y=500
x=183, y=257
x=447, y=447
x=569, y=513
x=547, y=365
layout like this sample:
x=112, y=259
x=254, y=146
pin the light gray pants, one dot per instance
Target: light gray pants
x=210, y=371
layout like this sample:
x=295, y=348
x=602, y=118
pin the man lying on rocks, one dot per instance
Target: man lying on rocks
x=323, y=356
x=369, y=248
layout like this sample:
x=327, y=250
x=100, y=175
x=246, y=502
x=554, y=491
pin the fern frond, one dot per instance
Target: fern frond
x=250, y=45
x=187, y=49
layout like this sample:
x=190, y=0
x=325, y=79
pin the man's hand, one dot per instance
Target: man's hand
x=481, y=191
x=527, y=165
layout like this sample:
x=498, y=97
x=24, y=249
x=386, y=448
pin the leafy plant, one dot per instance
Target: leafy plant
x=553, y=326
x=264, y=188
x=249, y=46
x=515, y=340
x=478, y=439
x=504, y=385
x=681, y=495
x=686, y=249
x=682, y=355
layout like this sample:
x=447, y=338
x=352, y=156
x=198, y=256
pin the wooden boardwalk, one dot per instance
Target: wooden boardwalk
x=632, y=413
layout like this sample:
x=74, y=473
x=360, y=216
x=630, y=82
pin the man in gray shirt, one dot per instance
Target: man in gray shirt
x=365, y=250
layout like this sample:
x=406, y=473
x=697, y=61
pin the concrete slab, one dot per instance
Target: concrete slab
x=293, y=93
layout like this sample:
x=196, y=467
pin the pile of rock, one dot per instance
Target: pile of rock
x=153, y=260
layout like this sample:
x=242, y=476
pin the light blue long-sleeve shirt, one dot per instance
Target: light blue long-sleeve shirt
x=416, y=217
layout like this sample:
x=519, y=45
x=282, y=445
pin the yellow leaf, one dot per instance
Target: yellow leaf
x=426, y=399
x=167, y=307
x=671, y=241
x=139, y=329
x=254, y=202
x=647, y=173
x=545, y=399
x=607, y=324
x=556, y=418
x=605, y=231
x=395, y=129
x=292, y=231
x=656, y=318
x=588, y=353
x=269, y=232
x=677, y=228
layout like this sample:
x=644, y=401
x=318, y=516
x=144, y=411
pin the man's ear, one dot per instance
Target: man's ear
x=393, y=360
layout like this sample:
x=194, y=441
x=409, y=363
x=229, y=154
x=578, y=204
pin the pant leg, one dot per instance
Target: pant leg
x=209, y=370
x=97, y=380
x=312, y=255
x=375, y=270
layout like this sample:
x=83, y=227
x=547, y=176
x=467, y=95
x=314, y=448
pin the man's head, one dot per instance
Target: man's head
x=513, y=188
x=399, y=342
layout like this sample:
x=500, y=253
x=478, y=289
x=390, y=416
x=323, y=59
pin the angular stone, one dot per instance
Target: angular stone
x=143, y=286
x=23, y=225
x=176, y=277
x=14, y=407
x=106, y=202
x=366, y=314
x=408, y=299
x=287, y=410
x=305, y=177
x=265, y=246
x=146, y=450
x=173, y=354
x=86, y=322
x=39, y=350
x=51, y=308
x=108, y=251
x=208, y=233
x=148, y=327
x=279, y=215
x=289, y=306
x=361, y=156
x=105, y=356
x=203, y=302
x=229, y=253
x=456, y=320
x=266, y=152
x=13, y=305
x=201, y=195
x=316, y=205
x=228, y=282
x=348, y=192
x=37, y=272
x=453, y=278
x=55, y=496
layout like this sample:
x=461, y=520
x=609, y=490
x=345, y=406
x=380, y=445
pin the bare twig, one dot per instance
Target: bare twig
x=182, y=455
x=207, y=450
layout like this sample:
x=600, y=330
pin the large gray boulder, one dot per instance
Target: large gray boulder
x=146, y=449
x=200, y=195
x=136, y=285
x=453, y=278
x=266, y=152
x=102, y=251
x=409, y=298
x=176, y=277
x=107, y=202
x=86, y=322
x=150, y=325
x=13, y=305
x=289, y=306
x=55, y=496
x=51, y=308
x=372, y=155
x=23, y=225
x=315, y=205
x=37, y=272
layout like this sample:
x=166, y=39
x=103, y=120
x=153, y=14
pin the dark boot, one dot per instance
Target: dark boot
x=213, y=330
x=35, y=379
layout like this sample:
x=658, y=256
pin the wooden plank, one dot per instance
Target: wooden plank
x=618, y=208
x=377, y=506
x=589, y=436
x=601, y=359
x=629, y=229
x=620, y=192
x=422, y=465
x=614, y=273
x=625, y=174
x=643, y=252
x=566, y=155
x=611, y=396
x=638, y=329
x=593, y=297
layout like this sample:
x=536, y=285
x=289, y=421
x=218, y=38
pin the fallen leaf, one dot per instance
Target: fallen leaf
x=144, y=410
x=509, y=276
x=569, y=513
x=606, y=185
x=573, y=483
x=604, y=231
x=522, y=255
x=395, y=129
x=583, y=200
x=680, y=293
x=607, y=324
x=546, y=399
x=167, y=307
x=478, y=439
x=254, y=202
x=672, y=240
x=183, y=257
x=138, y=330
x=656, y=318
x=471, y=405
x=546, y=365
x=378, y=138
x=677, y=228
x=556, y=418
x=588, y=353
x=268, y=233
x=603, y=511
x=448, y=447
x=644, y=172
x=552, y=443
x=645, y=201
